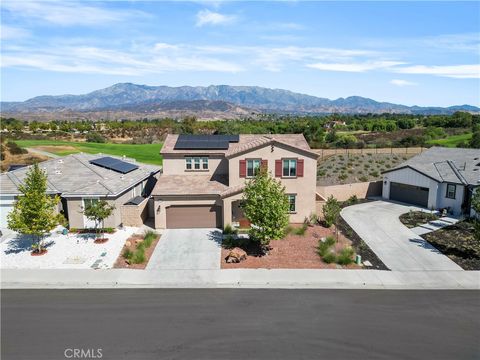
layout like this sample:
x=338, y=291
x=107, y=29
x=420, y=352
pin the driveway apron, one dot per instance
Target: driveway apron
x=187, y=249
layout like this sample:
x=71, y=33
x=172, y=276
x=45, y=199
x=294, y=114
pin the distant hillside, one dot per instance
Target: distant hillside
x=222, y=100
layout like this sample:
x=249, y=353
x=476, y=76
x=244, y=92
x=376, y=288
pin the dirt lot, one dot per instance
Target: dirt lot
x=55, y=149
x=292, y=252
x=347, y=169
x=22, y=159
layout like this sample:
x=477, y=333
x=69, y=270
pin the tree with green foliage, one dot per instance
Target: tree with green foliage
x=34, y=211
x=331, y=211
x=476, y=207
x=98, y=211
x=475, y=141
x=266, y=206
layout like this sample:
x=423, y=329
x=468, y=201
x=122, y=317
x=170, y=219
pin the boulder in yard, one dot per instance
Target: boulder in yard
x=236, y=255
x=128, y=243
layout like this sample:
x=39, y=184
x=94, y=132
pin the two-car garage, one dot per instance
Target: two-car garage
x=194, y=216
x=409, y=194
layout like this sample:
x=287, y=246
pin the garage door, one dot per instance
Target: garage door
x=208, y=216
x=409, y=194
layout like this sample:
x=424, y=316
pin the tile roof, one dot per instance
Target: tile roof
x=73, y=175
x=245, y=143
x=454, y=165
x=189, y=185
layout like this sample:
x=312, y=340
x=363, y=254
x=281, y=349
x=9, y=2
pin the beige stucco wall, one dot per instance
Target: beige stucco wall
x=162, y=203
x=175, y=165
x=134, y=215
x=304, y=187
x=343, y=192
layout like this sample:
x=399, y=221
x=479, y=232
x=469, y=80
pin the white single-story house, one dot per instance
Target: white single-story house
x=439, y=178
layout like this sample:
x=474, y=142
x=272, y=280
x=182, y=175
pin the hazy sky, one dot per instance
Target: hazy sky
x=415, y=53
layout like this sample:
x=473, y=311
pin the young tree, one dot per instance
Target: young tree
x=331, y=212
x=98, y=211
x=476, y=208
x=34, y=211
x=266, y=207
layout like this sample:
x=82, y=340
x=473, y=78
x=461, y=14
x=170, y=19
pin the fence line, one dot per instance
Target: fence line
x=405, y=150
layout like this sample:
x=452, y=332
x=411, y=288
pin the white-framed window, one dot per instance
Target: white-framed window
x=253, y=167
x=289, y=167
x=196, y=163
x=89, y=201
x=292, y=203
x=451, y=191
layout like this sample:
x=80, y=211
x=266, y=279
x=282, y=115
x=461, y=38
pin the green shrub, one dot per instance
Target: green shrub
x=374, y=174
x=352, y=200
x=15, y=149
x=324, y=246
x=149, y=238
x=329, y=258
x=345, y=256
x=229, y=230
x=300, y=230
x=342, y=176
x=363, y=178
x=127, y=254
x=139, y=255
x=228, y=242
x=94, y=137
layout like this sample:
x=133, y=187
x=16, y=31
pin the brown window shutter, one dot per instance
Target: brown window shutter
x=300, y=167
x=243, y=168
x=264, y=165
x=278, y=168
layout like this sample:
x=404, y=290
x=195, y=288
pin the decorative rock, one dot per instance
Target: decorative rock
x=236, y=255
x=128, y=243
x=137, y=241
x=367, y=263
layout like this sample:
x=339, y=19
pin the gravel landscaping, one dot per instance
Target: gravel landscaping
x=72, y=251
x=131, y=245
x=458, y=243
x=292, y=252
x=346, y=169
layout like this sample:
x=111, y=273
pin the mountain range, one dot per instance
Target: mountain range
x=127, y=100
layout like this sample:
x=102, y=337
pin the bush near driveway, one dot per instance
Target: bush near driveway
x=416, y=218
x=137, y=255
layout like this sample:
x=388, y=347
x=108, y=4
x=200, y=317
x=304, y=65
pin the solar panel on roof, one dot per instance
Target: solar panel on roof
x=110, y=163
x=204, y=142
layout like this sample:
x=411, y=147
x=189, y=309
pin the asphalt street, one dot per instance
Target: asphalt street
x=239, y=324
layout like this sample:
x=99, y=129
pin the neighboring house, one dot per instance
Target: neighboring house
x=82, y=178
x=204, y=177
x=439, y=178
x=334, y=124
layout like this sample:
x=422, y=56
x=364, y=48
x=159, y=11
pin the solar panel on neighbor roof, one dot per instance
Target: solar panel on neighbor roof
x=114, y=164
x=204, y=142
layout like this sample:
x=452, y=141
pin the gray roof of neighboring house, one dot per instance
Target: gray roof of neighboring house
x=246, y=143
x=73, y=175
x=452, y=165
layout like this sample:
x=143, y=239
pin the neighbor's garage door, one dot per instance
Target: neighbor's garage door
x=181, y=217
x=409, y=194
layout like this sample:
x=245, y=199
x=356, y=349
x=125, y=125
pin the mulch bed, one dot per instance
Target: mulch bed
x=100, y=240
x=120, y=263
x=417, y=218
x=39, y=253
x=292, y=252
x=458, y=243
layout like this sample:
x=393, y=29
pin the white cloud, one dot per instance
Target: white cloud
x=66, y=13
x=10, y=32
x=207, y=17
x=400, y=82
x=453, y=71
x=355, y=66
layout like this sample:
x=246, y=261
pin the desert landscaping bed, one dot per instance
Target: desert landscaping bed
x=416, y=218
x=130, y=247
x=291, y=252
x=458, y=243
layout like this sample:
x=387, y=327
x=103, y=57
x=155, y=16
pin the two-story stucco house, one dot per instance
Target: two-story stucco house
x=204, y=177
x=439, y=178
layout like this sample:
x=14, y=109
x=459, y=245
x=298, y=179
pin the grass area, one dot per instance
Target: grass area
x=146, y=153
x=451, y=141
x=343, y=169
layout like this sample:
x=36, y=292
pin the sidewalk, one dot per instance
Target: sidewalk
x=239, y=278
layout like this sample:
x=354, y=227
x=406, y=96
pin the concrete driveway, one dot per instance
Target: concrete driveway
x=187, y=249
x=378, y=224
